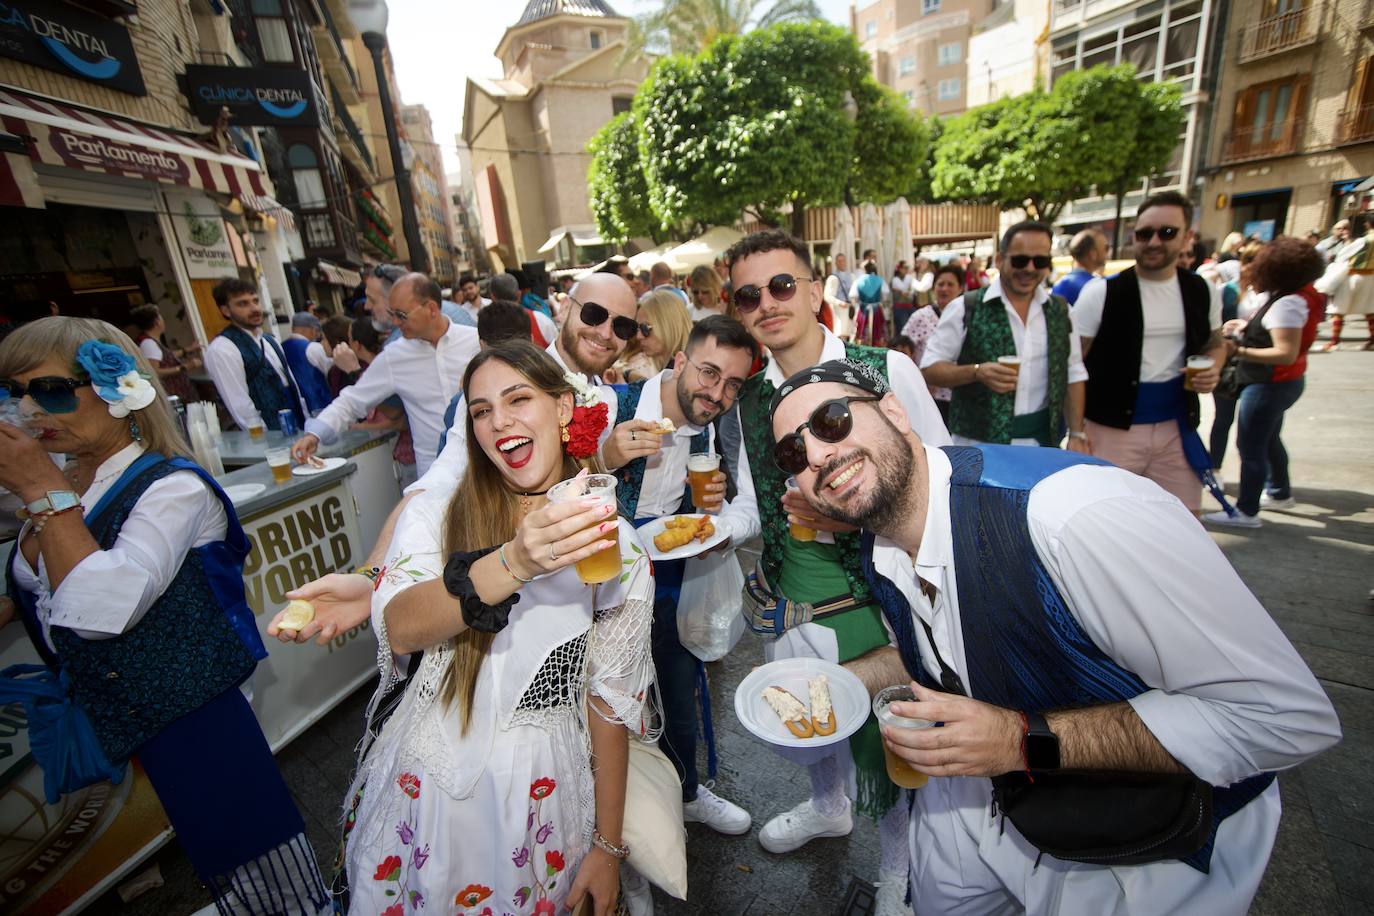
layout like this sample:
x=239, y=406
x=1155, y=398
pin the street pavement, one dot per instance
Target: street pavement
x=1313, y=568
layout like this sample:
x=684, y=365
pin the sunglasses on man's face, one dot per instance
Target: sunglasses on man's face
x=830, y=422
x=1165, y=233
x=1041, y=261
x=52, y=394
x=594, y=315
x=781, y=287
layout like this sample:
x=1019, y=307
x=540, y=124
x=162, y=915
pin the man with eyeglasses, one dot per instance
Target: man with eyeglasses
x=697, y=393
x=1139, y=328
x=1113, y=673
x=1009, y=353
x=425, y=369
x=377, y=287
x=809, y=595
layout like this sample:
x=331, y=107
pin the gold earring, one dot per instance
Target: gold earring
x=564, y=433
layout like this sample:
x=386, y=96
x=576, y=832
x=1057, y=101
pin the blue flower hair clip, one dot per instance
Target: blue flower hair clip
x=115, y=377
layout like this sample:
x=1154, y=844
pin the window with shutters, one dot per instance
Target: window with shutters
x=1268, y=118
x=1356, y=124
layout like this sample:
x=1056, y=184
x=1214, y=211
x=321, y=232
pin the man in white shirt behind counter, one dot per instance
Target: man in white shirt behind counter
x=425, y=369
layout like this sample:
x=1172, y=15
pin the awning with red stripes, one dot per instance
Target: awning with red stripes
x=18, y=185
x=61, y=135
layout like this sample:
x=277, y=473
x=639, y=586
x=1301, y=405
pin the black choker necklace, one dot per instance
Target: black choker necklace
x=532, y=493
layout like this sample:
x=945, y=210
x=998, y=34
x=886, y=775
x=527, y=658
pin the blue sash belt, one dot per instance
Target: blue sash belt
x=1158, y=402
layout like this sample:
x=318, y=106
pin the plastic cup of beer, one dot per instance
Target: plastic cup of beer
x=256, y=429
x=898, y=770
x=604, y=565
x=279, y=460
x=1011, y=362
x=799, y=531
x=1195, y=365
x=700, y=470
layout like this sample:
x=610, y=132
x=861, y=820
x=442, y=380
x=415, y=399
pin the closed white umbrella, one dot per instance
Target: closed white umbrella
x=888, y=253
x=901, y=215
x=702, y=250
x=844, y=238
x=870, y=230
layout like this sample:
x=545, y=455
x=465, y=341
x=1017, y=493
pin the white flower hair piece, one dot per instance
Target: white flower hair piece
x=134, y=393
x=584, y=395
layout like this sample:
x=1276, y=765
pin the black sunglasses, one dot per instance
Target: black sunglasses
x=52, y=394
x=1041, y=261
x=1166, y=233
x=830, y=422
x=781, y=287
x=594, y=315
x=646, y=329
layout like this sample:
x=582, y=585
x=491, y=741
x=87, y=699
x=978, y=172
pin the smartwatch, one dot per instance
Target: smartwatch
x=53, y=501
x=1040, y=744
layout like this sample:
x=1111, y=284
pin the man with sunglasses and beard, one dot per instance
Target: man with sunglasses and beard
x=1139, y=328
x=1029, y=403
x=810, y=595
x=1116, y=656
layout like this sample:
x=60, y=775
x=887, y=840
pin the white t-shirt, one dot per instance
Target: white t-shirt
x=1288, y=312
x=1162, y=350
x=150, y=350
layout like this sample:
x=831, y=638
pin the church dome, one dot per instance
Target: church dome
x=543, y=9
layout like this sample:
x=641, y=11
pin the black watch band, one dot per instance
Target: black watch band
x=1041, y=744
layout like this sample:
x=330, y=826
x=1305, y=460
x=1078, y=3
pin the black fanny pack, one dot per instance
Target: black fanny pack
x=1107, y=818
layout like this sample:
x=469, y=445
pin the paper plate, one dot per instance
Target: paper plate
x=241, y=492
x=848, y=696
x=690, y=549
x=306, y=470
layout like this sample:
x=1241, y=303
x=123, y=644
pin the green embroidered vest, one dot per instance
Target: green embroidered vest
x=976, y=412
x=770, y=482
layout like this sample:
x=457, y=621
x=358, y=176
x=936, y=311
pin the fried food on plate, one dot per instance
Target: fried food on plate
x=790, y=710
x=683, y=529
x=822, y=710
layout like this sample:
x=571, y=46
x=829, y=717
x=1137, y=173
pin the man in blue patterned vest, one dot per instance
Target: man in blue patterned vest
x=697, y=393
x=1114, y=638
x=249, y=368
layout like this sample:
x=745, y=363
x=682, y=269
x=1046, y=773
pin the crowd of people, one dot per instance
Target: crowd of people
x=1116, y=667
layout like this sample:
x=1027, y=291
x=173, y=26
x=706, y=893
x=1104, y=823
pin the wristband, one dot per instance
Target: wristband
x=1078, y=435
x=372, y=572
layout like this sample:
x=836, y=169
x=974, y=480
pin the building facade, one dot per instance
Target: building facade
x=1294, y=135
x=1166, y=40
x=1008, y=52
x=430, y=192
x=528, y=131
x=920, y=48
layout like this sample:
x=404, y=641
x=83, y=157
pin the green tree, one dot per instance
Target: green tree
x=690, y=26
x=616, y=188
x=758, y=122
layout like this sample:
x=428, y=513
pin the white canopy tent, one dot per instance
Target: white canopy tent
x=702, y=250
x=646, y=259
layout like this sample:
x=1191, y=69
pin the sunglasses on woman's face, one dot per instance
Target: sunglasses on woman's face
x=51, y=393
x=830, y=422
x=594, y=315
x=781, y=287
x=1041, y=261
x=1166, y=233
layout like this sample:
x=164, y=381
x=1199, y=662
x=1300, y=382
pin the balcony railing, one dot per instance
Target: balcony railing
x=1277, y=34
x=1355, y=125
x=1260, y=142
x=355, y=135
x=319, y=230
x=329, y=45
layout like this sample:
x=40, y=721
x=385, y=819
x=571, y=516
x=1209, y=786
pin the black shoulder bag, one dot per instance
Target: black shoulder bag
x=1238, y=373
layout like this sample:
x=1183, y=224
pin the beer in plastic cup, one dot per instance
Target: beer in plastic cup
x=898, y=770
x=799, y=531
x=1195, y=365
x=1011, y=362
x=279, y=460
x=700, y=470
x=604, y=565
x=256, y=429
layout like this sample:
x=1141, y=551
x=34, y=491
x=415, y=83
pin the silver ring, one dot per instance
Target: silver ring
x=553, y=557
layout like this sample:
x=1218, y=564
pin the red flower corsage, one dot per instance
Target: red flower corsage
x=584, y=432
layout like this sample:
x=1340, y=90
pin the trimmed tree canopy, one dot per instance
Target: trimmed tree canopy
x=615, y=183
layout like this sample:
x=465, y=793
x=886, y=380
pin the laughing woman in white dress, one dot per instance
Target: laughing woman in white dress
x=498, y=784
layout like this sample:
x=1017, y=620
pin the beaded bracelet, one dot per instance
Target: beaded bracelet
x=501, y=555
x=600, y=842
x=41, y=520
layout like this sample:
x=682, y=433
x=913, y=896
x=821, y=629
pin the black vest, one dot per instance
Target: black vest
x=1113, y=363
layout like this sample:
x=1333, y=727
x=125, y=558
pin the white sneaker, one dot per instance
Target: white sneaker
x=794, y=829
x=715, y=812
x=1269, y=502
x=1239, y=520
x=892, y=894
x=634, y=890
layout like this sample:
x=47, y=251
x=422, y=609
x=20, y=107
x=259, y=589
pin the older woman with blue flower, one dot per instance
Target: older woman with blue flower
x=128, y=577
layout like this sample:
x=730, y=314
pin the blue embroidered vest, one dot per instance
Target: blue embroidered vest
x=631, y=477
x=1023, y=646
x=265, y=387
x=314, y=387
x=197, y=640
x=871, y=289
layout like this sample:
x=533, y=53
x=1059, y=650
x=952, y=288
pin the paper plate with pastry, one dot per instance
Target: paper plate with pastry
x=317, y=466
x=677, y=537
x=801, y=706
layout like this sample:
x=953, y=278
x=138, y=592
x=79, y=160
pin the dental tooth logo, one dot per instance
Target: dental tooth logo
x=285, y=112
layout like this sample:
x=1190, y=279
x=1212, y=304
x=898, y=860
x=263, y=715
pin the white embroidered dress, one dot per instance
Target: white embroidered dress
x=496, y=820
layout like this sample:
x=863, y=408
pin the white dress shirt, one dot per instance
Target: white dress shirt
x=904, y=284
x=151, y=350
x=924, y=283
x=1032, y=345
x=110, y=590
x=315, y=355
x=425, y=376
x=224, y=362
x=1229, y=696
x=474, y=309
x=448, y=468
x=1161, y=304
x=665, y=472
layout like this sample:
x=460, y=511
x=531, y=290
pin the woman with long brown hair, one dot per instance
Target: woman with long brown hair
x=480, y=789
